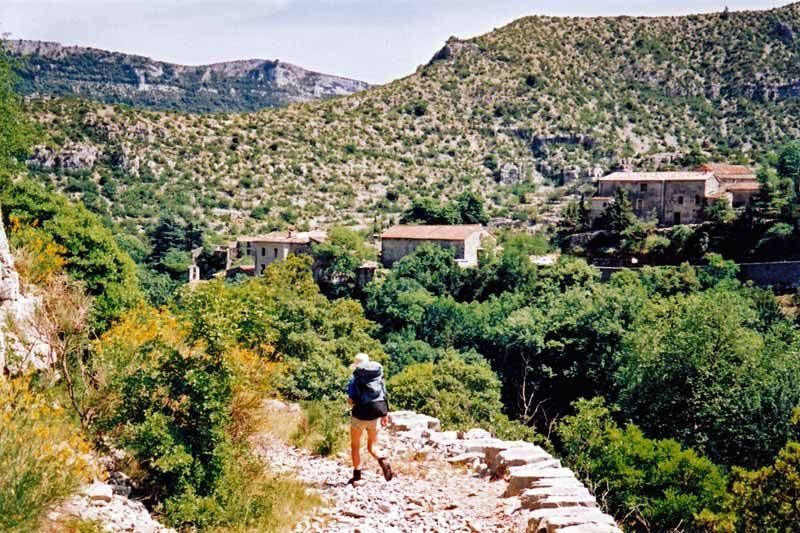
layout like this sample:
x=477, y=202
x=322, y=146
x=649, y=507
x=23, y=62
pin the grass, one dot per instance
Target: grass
x=322, y=428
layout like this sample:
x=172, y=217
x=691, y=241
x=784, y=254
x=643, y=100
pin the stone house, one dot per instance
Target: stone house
x=677, y=197
x=277, y=246
x=465, y=240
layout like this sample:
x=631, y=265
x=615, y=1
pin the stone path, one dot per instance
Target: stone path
x=445, y=482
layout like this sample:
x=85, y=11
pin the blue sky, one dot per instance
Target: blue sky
x=372, y=40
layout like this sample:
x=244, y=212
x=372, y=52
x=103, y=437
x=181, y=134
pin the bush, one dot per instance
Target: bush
x=645, y=483
x=322, y=428
x=769, y=499
x=41, y=458
x=460, y=393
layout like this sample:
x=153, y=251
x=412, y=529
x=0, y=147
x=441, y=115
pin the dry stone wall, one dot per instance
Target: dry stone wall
x=555, y=500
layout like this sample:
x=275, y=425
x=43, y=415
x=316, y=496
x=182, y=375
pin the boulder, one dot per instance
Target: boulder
x=477, y=433
x=530, y=498
x=492, y=452
x=465, y=458
x=590, y=528
x=520, y=456
x=556, y=502
x=550, y=520
x=98, y=492
x=523, y=477
x=408, y=420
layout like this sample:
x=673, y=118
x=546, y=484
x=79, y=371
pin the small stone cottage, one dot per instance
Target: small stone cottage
x=465, y=240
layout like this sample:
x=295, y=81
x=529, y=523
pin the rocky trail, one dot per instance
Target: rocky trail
x=442, y=484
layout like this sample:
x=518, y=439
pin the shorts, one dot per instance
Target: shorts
x=357, y=423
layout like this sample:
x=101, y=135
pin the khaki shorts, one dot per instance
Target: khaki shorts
x=357, y=423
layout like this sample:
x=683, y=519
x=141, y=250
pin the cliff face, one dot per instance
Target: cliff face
x=52, y=69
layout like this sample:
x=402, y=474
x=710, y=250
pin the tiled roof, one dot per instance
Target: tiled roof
x=656, y=176
x=748, y=186
x=721, y=168
x=287, y=237
x=599, y=198
x=736, y=177
x=431, y=233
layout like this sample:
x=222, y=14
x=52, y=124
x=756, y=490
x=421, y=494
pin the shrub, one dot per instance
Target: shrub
x=769, y=499
x=459, y=392
x=645, y=483
x=322, y=428
x=41, y=457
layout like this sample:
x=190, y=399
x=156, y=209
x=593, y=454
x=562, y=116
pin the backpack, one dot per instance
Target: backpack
x=370, y=401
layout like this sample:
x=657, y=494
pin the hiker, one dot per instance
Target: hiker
x=367, y=394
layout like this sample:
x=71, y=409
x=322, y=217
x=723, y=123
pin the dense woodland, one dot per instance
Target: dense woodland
x=672, y=391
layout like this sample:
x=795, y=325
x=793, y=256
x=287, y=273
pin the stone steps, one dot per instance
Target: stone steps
x=554, y=498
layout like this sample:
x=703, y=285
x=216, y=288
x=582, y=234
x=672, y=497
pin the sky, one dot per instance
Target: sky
x=371, y=40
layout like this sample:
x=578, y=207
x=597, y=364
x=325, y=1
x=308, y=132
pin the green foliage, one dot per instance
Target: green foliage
x=433, y=267
x=91, y=253
x=466, y=208
x=769, y=499
x=701, y=368
x=574, y=218
x=647, y=484
x=40, y=456
x=339, y=257
x=15, y=128
x=322, y=429
x=462, y=393
x=619, y=214
x=720, y=211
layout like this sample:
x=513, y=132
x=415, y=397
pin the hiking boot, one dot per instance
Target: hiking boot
x=356, y=477
x=386, y=468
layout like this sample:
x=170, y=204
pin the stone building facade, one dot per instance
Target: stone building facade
x=466, y=241
x=277, y=246
x=670, y=197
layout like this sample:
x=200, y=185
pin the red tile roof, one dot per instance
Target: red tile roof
x=431, y=233
x=736, y=177
x=656, y=176
x=748, y=186
x=721, y=168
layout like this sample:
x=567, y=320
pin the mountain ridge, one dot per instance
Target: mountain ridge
x=51, y=68
x=542, y=101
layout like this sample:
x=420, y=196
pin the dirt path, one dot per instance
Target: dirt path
x=427, y=494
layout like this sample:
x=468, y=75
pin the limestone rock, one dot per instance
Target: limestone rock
x=407, y=420
x=523, y=477
x=98, y=492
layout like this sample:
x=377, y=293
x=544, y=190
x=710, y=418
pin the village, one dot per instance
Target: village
x=668, y=198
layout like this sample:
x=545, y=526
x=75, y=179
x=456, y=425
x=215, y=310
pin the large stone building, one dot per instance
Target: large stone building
x=677, y=197
x=276, y=246
x=466, y=241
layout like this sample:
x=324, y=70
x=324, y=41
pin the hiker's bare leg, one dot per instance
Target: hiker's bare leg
x=355, y=446
x=372, y=441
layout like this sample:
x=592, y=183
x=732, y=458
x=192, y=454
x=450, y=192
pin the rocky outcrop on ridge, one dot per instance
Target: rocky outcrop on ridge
x=116, y=78
x=446, y=481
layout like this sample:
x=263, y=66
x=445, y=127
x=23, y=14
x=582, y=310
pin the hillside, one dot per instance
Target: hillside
x=540, y=99
x=115, y=78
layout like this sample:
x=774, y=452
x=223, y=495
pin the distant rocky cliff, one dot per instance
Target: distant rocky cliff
x=110, y=77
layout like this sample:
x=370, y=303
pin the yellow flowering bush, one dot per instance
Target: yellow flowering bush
x=38, y=257
x=42, y=457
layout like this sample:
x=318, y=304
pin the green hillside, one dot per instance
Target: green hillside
x=554, y=98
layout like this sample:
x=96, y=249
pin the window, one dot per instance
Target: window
x=642, y=187
x=680, y=200
x=605, y=204
x=676, y=218
x=275, y=253
x=697, y=200
x=639, y=204
x=263, y=252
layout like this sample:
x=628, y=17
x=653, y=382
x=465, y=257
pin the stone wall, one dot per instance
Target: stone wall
x=779, y=275
x=393, y=250
x=553, y=498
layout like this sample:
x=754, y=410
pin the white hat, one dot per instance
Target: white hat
x=360, y=359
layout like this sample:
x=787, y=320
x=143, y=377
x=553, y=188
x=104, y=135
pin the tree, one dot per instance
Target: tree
x=720, y=211
x=619, y=214
x=574, y=218
x=434, y=267
x=339, y=256
x=788, y=165
x=15, y=129
x=471, y=209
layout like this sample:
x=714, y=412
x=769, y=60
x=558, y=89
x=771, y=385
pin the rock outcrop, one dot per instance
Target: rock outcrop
x=112, y=77
x=19, y=346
